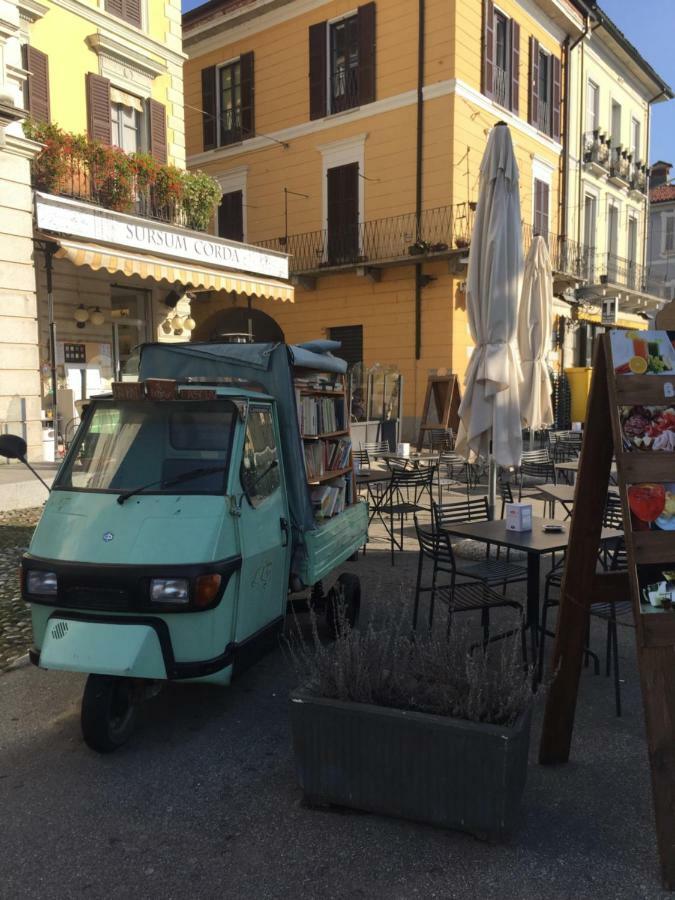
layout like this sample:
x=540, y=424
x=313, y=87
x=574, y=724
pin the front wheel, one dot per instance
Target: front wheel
x=108, y=712
x=343, y=604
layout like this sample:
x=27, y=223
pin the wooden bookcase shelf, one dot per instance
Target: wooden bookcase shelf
x=346, y=473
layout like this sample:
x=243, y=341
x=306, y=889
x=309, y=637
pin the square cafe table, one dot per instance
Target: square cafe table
x=535, y=544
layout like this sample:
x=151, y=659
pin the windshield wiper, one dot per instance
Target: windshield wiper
x=185, y=476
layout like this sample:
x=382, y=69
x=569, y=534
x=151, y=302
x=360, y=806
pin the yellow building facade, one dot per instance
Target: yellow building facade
x=355, y=144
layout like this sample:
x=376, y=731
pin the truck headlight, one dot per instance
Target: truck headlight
x=39, y=582
x=170, y=590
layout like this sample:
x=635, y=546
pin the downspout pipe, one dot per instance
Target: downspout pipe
x=645, y=227
x=564, y=199
x=419, y=173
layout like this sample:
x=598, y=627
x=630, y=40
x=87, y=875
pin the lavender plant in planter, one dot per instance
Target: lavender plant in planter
x=421, y=729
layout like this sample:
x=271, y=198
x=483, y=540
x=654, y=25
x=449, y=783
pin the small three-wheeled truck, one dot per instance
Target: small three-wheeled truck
x=183, y=519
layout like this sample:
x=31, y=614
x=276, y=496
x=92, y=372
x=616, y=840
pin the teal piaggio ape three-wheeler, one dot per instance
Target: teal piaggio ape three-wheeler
x=181, y=522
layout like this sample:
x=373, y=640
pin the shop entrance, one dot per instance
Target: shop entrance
x=129, y=312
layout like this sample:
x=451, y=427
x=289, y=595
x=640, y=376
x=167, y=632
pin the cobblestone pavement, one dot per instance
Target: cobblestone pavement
x=16, y=529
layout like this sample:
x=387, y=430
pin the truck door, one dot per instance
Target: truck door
x=264, y=527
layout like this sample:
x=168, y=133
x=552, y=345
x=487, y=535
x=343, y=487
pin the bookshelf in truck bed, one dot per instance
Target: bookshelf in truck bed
x=323, y=419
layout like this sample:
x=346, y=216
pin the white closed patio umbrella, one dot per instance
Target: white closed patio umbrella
x=534, y=333
x=490, y=409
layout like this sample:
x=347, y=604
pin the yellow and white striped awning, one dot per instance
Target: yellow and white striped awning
x=173, y=271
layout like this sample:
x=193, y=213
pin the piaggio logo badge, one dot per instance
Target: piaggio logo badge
x=108, y=536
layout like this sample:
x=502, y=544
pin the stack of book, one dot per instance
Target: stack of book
x=320, y=415
x=329, y=499
x=326, y=456
x=318, y=382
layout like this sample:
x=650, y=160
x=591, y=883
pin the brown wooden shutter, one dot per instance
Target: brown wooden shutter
x=209, y=107
x=115, y=7
x=231, y=216
x=247, y=95
x=342, y=195
x=37, y=64
x=132, y=12
x=157, y=115
x=488, y=47
x=318, y=70
x=555, y=101
x=366, y=21
x=98, y=108
x=515, y=67
x=533, y=92
x=129, y=10
x=541, y=208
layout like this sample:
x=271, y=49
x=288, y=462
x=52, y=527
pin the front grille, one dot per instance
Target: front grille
x=97, y=598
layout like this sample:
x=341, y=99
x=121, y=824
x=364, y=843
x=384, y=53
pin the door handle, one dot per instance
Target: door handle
x=285, y=530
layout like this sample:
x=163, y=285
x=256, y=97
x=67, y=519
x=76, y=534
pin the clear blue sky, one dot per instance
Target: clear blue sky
x=650, y=26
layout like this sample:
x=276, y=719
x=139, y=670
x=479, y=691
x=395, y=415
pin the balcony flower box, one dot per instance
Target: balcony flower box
x=446, y=772
x=430, y=728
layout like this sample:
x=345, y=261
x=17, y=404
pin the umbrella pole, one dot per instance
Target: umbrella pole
x=531, y=438
x=492, y=486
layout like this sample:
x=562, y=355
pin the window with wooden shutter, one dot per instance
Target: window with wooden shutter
x=247, y=95
x=318, y=70
x=209, y=107
x=342, y=193
x=98, y=108
x=157, y=131
x=366, y=31
x=515, y=67
x=231, y=216
x=488, y=47
x=533, y=93
x=541, y=208
x=555, y=100
x=37, y=65
x=129, y=10
x=351, y=339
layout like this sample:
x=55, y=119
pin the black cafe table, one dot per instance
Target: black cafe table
x=368, y=478
x=535, y=544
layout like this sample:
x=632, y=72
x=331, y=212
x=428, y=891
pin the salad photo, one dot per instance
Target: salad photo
x=652, y=507
x=642, y=353
x=648, y=427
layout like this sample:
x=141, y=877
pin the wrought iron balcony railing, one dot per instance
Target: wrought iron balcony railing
x=344, y=84
x=639, y=177
x=620, y=165
x=389, y=239
x=597, y=149
x=500, y=86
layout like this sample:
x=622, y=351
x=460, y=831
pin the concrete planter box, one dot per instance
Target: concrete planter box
x=431, y=769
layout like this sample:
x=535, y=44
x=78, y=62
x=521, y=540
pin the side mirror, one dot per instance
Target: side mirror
x=12, y=447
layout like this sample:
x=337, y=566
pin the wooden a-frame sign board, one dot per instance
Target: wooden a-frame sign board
x=443, y=393
x=582, y=586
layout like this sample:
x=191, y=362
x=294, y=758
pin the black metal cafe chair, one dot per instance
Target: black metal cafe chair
x=404, y=496
x=459, y=592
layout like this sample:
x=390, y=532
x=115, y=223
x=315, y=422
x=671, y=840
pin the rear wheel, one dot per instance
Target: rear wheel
x=343, y=603
x=108, y=712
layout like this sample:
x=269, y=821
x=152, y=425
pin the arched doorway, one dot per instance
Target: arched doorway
x=238, y=320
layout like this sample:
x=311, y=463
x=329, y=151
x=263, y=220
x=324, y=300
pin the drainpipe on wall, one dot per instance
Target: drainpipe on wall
x=645, y=225
x=564, y=193
x=418, y=175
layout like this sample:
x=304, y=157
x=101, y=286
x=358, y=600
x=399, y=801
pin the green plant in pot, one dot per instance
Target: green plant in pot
x=425, y=727
x=201, y=195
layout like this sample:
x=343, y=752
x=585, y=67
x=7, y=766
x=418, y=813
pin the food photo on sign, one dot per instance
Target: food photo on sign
x=652, y=507
x=643, y=352
x=657, y=587
x=648, y=427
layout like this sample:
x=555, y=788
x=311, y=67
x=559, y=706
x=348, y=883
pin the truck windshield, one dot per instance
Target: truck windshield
x=123, y=445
